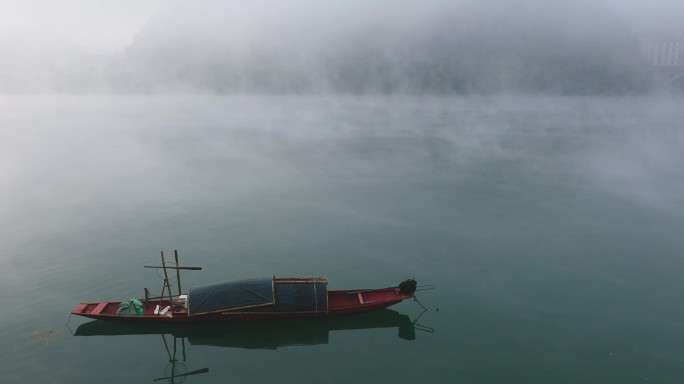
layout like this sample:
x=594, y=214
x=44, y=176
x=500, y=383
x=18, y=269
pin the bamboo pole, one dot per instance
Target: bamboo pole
x=166, y=278
x=169, y=267
x=175, y=253
x=166, y=346
x=195, y=372
x=160, y=297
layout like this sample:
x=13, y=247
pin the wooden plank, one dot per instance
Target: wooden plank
x=80, y=308
x=99, y=308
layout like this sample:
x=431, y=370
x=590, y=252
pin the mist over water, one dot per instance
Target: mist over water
x=523, y=156
x=550, y=226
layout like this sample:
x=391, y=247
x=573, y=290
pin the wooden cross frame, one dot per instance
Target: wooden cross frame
x=166, y=285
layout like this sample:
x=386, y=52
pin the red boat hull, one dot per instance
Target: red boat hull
x=339, y=303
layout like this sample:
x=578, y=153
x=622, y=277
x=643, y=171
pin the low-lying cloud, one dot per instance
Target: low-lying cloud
x=372, y=47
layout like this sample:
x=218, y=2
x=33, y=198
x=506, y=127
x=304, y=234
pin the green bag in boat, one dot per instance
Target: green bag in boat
x=132, y=307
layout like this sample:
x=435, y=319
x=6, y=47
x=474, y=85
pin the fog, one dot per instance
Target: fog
x=523, y=156
x=357, y=47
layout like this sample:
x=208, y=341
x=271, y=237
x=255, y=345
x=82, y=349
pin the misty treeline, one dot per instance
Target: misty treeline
x=575, y=47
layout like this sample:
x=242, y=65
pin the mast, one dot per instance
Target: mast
x=167, y=285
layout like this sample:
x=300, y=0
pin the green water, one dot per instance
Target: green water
x=550, y=226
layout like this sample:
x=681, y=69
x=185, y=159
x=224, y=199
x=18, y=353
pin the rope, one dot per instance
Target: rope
x=421, y=327
x=425, y=287
x=415, y=298
x=67, y=325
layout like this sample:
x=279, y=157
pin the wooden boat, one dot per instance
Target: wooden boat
x=251, y=299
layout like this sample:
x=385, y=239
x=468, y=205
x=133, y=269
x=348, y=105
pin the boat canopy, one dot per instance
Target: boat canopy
x=268, y=294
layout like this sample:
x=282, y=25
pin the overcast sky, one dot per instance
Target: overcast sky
x=99, y=26
x=108, y=26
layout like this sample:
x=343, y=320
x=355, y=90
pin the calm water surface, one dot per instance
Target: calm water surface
x=552, y=228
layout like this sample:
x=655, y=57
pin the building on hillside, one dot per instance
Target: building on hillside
x=665, y=53
x=665, y=58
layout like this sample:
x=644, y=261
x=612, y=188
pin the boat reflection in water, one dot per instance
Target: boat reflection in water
x=251, y=335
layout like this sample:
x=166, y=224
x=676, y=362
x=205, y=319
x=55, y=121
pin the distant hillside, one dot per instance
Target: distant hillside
x=40, y=61
x=577, y=48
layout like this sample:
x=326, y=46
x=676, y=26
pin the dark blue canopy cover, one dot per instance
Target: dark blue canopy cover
x=229, y=295
x=269, y=294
